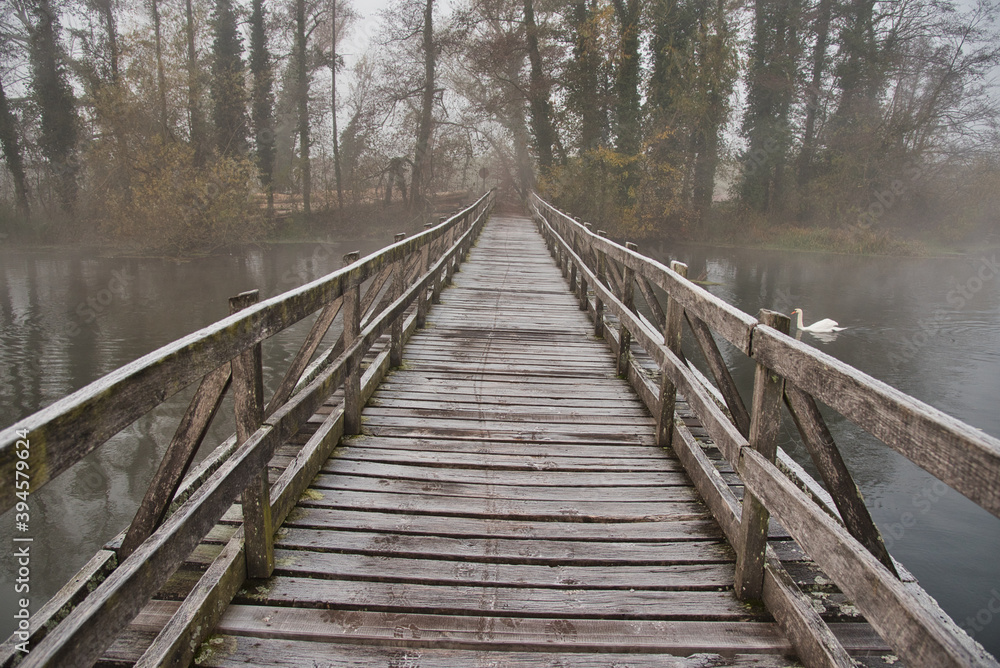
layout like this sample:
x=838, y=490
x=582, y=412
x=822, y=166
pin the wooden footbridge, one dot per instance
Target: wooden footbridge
x=538, y=478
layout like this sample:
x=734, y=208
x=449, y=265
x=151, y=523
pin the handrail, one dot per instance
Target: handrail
x=850, y=551
x=87, y=631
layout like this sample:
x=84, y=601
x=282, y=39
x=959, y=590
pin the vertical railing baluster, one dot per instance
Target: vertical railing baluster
x=583, y=279
x=352, y=329
x=600, y=272
x=422, y=304
x=248, y=386
x=671, y=339
x=628, y=298
x=765, y=423
x=398, y=287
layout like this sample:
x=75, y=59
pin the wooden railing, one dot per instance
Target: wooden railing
x=227, y=353
x=840, y=537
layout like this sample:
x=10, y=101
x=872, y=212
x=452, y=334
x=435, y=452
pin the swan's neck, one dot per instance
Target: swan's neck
x=800, y=324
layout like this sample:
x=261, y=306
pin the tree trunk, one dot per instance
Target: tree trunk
x=302, y=93
x=57, y=107
x=538, y=93
x=161, y=80
x=333, y=103
x=196, y=121
x=587, y=61
x=822, y=29
x=12, y=154
x=627, y=106
x=262, y=102
x=628, y=76
x=421, y=153
x=107, y=14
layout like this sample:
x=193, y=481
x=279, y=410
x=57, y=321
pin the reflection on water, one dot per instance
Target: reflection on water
x=930, y=327
x=66, y=319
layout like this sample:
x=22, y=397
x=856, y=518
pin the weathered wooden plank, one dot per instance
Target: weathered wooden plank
x=509, y=448
x=434, y=571
x=483, y=631
x=319, y=518
x=508, y=550
x=575, y=511
x=501, y=601
x=485, y=476
x=232, y=651
x=622, y=495
x=501, y=462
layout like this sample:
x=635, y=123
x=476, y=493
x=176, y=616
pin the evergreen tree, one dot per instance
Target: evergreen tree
x=771, y=81
x=196, y=118
x=161, y=79
x=262, y=101
x=229, y=111
x=12, y=153
x=628, y=75
x=584, y=80
x=56, y=104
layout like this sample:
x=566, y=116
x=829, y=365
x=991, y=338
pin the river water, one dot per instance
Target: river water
x=930, y=327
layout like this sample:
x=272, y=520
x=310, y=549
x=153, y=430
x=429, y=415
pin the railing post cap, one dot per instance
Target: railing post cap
x=631, y=246
x=352, y=257
x=399, y=237
x=679, y=267
x=243, y=300
x=778, y=321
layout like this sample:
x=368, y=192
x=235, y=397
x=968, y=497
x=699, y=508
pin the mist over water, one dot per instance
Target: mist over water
x=67, y=318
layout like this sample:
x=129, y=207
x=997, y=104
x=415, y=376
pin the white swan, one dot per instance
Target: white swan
x=824, y=325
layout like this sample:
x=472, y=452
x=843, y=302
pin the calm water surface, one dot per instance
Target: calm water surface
x=930, y=327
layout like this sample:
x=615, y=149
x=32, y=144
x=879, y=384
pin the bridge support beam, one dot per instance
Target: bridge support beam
x=765, y=423
x=674, y=320
x=248, y=383
x=352, y=329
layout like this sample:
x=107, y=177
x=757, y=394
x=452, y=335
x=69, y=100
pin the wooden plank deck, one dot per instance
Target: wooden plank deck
x=505, y=505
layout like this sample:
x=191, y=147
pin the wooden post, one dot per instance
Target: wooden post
x=572, y=276
x=583, y=279
x=352, y=328
x=765, y=423
x=454, y=233
x=601, y=278
x=628, y=298
x=396, y=331
x=248, y=386
x=674, y=318
x=422, y=305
